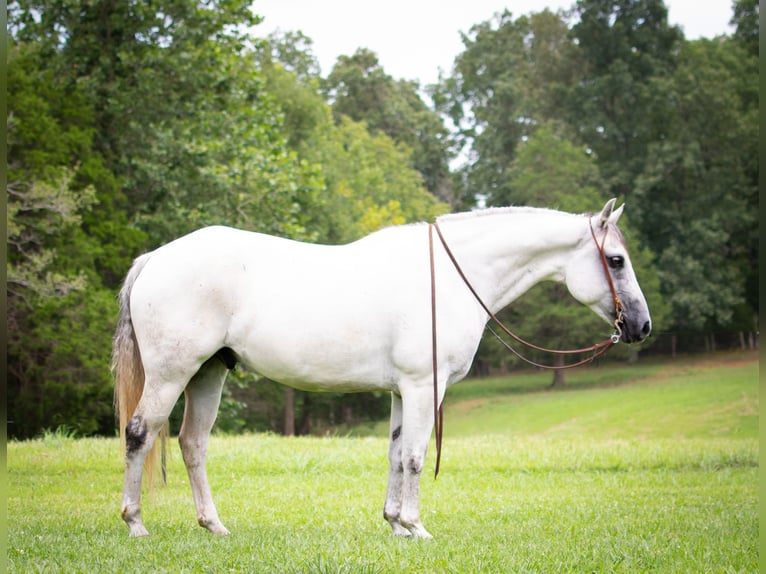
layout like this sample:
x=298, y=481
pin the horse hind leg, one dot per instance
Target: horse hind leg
x=141, y=431
x=203, y=396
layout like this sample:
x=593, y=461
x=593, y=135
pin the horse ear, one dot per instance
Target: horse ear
x=616, y=214
x=606, y=213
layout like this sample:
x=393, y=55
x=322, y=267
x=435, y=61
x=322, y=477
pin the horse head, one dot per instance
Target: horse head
x=600, y=275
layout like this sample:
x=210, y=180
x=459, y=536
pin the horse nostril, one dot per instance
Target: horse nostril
x=646, y=329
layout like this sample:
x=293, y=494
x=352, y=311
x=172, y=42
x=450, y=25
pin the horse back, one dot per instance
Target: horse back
x=293, y=311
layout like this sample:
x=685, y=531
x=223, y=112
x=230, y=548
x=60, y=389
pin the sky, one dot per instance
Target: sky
x=414, y=39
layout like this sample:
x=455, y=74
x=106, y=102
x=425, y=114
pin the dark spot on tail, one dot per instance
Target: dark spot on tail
x=227, y=357
x=396, y=433
x=135, y=435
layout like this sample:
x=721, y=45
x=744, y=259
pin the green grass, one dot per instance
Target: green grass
x=654, y=473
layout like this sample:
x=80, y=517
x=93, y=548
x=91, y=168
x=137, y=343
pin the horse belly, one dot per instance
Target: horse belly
x=325, y=346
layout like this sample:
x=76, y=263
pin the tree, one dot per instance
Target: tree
x=59, y=315
x=512, y=75
x=153, y=120
x=292, y=78
x=359, y=88
x=619, y=108
x=697, y=192
x=370, y=176
x=746, y=20
x=369, y=181
x=181, y=113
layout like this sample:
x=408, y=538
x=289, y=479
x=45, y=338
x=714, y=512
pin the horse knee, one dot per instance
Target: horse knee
x=414, y=464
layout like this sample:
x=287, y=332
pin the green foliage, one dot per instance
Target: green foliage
x=60, y=317
x=670, y=126
x=131, y=123
x=369, y=184
x=626, y=46
x=549, y=170
x=696, y=200
x=58, y=366
x=747, y=21
x=360, y=89
x=371, y=179
x=511, y=75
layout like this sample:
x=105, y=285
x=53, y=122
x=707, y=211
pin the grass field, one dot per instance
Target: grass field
x=651, y=468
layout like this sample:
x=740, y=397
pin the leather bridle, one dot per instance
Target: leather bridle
x=597, y=350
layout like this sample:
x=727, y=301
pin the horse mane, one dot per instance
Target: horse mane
x=488, y=211
x=518, y=210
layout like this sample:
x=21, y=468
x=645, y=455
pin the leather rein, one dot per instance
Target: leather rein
x=598, y=350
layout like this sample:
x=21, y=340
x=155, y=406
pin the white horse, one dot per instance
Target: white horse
x=341, y=318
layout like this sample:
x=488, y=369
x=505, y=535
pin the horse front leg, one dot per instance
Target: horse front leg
x=203, y=396
x=417, y=423
x=393, y=506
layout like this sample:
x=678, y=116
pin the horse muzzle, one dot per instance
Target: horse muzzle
x=635, y=331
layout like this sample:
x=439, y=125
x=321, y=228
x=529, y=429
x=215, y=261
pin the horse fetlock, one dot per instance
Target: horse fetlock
x=391, y=513
x=132, y=517
x=213, y=525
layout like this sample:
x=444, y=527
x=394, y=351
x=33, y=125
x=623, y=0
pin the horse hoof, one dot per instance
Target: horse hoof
x=137, y=530
x=417, y=530
x=214, y=527
x=400, y=531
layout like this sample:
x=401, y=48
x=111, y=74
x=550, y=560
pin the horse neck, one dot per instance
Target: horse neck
x=507, y=253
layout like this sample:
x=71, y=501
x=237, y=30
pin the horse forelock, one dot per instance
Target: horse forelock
x=618, y=233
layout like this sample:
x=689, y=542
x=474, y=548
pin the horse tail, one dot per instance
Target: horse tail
x=128, y=372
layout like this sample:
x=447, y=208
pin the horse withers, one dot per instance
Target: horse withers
x=194, y=307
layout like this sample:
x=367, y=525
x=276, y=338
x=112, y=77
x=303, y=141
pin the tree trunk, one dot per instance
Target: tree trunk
x=304, y=425
x=348, y=414
x=288, y=427
x=559, y=376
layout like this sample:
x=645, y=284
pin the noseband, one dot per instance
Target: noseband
x=618, y=319
x=598, y=350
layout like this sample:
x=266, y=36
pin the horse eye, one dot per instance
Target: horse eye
x=617, y=262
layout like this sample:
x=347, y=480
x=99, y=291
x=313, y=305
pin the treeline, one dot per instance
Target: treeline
x=131, y=123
